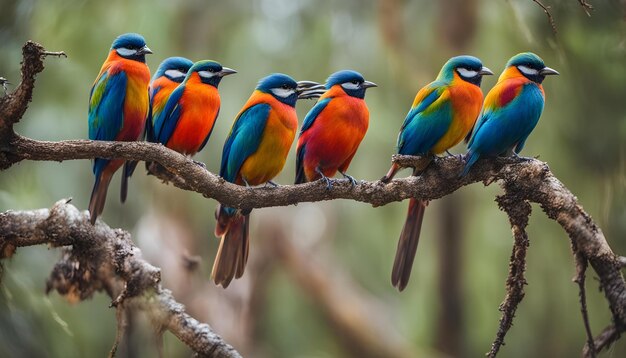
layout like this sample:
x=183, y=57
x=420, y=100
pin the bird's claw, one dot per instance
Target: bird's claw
x=199, y=163
x=328, y=181
x=350, y=178
x=520, y=158
x=272, y=184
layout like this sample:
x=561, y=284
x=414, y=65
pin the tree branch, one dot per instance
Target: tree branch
x=518, y=211
x=546, y=9
x=524, y=180
x=98, y=258
x=579, y=279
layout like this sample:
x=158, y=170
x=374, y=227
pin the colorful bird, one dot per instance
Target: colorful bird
x=511, y=110
x=254, y=153
x=333, y=129
x=442, y=114
x=169, y=75
x=118, y=107
x=186, y=121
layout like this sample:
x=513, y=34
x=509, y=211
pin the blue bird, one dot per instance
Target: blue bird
x=511, y=110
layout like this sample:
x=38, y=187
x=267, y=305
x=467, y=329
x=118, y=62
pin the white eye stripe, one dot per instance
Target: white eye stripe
x=527, y=70
x=125, y=52
x=174, y=74
x=206, y=74
x=466, y=73
x=283, y=92
x=350, y=86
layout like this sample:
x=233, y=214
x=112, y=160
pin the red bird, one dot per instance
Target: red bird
x=333, y=129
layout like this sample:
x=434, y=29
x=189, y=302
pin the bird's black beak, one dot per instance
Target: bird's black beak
x=485, y=71
x=368, y=84
x=226, y=71
x=547, y=71
x=144, y=50
x=309, y=89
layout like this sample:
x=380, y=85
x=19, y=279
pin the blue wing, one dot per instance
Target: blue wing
x=106, y=110
x=165, y=121
x=313, y=114
x=484, y=117
x=243, y=140
x=426, y=122
x=503, y=129
x=106, y=106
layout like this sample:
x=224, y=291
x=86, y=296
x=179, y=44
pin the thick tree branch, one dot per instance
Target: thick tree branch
x=526, y=180
x=98, y=258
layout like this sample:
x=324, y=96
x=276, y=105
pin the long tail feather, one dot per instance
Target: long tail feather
x=407, y=244
x=99, y=195
x=391, y=173
x=232, y=255
x=300, y=175
x=127, y=172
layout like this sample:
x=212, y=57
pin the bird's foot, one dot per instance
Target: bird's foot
x=246, y=182
x=199, y=164
x=328, y=181
x=450, y=154
x=350, y=178
x=520, y=158
x=272, y=184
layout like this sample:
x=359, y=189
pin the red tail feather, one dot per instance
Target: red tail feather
x=232, y=255
x=99, y=195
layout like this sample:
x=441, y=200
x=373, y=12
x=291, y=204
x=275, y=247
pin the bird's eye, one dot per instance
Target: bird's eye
x=285, y=87
x=355, y=82
x=211, y=70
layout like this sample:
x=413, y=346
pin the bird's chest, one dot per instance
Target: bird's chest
x=199, y=108
x=136, y=105
x=466, y=102
x=342, y=126
x=276, y=140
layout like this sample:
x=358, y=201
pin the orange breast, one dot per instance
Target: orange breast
x=466, y=100
x=200, y=104
x=335, y=136
x=270, y=157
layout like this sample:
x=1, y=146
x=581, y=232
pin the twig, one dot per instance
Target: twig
x=101, y=258
x=579, y=279
x=587, y=7
x=518, y=212
x=546, y=9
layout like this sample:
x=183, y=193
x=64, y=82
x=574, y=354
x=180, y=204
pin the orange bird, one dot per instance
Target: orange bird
x=333, y=129
x=186, y=121
x=254, y=153
x=442, y=114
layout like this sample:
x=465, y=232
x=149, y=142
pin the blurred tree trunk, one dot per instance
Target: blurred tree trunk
x=457, y=26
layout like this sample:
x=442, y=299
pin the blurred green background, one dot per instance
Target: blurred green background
x=317, y=283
